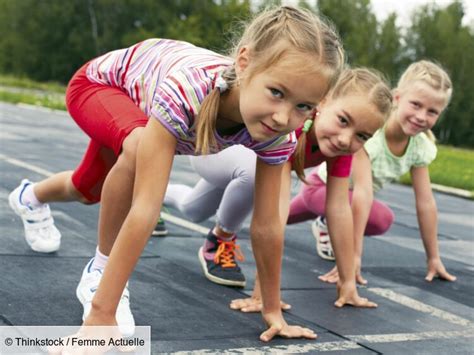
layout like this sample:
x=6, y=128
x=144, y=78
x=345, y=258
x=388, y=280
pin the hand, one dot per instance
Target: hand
x=253, y=304
x=278, y=326
x=437, y=269
x=347, y=294
x=96, y=328
x=332, y=276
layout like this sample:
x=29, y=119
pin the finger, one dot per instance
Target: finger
x=361, y=280
x=252, y=308
x=241, y=303
x=447, y=276
x=340, y=302
x=269, y=334
x=300, y=332
x=285, y=306
x=429, y=276
x=367, y=304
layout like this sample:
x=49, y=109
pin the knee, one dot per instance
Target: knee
x=79, y=196
x=193, y=212
x=385, y=220
x=127, y=157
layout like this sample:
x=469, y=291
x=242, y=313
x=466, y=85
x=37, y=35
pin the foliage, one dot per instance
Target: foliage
x=48, y=40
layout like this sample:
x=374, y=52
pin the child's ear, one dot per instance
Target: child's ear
x=242, y=61
x=396, y=96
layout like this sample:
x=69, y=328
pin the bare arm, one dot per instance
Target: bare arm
x=154, y=159
x=267, y=231
x=427, y=214
x=254, y=303
x=362, y=199
x=340, y=227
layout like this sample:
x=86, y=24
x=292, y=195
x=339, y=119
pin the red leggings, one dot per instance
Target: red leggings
x=107, y=115
x=311, y=202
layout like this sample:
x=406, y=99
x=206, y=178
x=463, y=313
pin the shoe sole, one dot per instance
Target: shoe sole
x=159, y=233
x=17, y=212
x=216, y=279
x=316, y=231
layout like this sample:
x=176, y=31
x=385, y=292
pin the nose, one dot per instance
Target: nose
x=344, y=141
x=421, y=115
x=281, y=117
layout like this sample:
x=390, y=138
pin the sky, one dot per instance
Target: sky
x=404, y=8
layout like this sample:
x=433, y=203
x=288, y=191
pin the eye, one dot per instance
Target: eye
x=415, y=104
x=304, y=107
x=276, y=93
x=363, y=137
x=344, y=121
x=433, y=113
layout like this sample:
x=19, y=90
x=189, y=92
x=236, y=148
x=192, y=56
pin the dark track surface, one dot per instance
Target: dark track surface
x=188, y=313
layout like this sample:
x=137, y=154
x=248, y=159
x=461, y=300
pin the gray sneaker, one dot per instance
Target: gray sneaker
x=218, y=262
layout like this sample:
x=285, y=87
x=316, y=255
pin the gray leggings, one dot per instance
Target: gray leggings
x=225, y=188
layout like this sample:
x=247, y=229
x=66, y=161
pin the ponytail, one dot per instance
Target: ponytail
x=299, y=157
x=206, y=123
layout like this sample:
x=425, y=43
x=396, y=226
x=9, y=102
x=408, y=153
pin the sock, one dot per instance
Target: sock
x=221, y=237
x=28, y=197
x=100, y=260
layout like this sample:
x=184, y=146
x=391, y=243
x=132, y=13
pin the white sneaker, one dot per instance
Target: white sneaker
x=323, y=241
x=85, y=293
x=40, y=232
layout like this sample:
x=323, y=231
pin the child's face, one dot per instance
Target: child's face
x=418, y=108
x=277, y=101
x=344, y=124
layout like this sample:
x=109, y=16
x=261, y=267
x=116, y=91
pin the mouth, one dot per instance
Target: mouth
x=334, y=148
x=268, y=129
x=416, y=125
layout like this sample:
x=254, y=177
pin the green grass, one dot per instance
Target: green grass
x=25, y=83
x=46, y=100
x=452, y=167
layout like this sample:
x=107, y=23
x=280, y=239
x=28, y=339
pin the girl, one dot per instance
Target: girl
x=354, y=109
x=191, y=101
x=405, y=143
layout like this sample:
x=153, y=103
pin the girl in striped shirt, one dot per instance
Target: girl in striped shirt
x=143, y=104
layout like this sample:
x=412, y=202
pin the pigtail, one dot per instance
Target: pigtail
x=299, y=157
x=431, y=136
x=206, y=124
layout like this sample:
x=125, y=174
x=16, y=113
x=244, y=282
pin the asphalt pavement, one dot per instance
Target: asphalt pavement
x=189, y=314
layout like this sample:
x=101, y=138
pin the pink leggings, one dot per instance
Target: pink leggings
x=311, y=202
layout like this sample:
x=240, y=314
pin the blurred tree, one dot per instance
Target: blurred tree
x=50, y=39
x=357, y=27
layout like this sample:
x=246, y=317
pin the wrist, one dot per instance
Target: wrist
x=102, y=310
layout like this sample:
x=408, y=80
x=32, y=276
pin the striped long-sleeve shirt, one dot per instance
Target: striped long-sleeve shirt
x=168, y=80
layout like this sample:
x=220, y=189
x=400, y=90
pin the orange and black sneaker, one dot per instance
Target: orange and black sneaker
x=218, y=261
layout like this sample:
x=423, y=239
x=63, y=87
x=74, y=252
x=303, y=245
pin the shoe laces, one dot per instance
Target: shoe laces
x=227, y=252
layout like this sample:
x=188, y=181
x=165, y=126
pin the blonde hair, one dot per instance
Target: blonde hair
x=431, y=74
x=359, y=81
x=269, y=36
